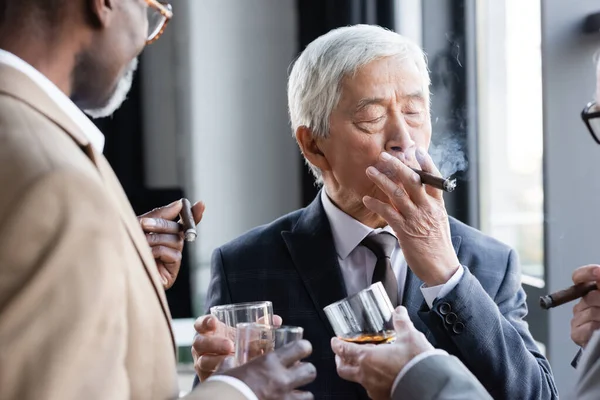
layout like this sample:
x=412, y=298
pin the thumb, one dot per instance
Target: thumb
x=349, y=353
x=198, y=211
x=587, y=273
x=402, y=322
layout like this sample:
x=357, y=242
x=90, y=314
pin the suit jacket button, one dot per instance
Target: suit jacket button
x=458, y=328
x=451, y=318
x=444, y=308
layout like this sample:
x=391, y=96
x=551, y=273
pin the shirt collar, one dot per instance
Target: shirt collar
x=347, y=231
x=87, y=127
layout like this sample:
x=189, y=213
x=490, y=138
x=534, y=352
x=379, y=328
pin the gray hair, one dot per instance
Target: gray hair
x=314, y=86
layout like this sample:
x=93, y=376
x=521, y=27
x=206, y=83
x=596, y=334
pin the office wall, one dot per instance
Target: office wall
x=572, y=182
x=216, y=116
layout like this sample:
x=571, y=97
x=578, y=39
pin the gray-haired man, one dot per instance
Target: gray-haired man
x=396, y=370
x=359, y=107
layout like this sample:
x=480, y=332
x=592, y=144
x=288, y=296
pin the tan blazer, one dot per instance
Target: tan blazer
x=83, y=314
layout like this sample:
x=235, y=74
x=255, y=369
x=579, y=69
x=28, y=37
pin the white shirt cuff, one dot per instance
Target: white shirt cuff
x=432, y=293
x=414, y=362
x=236, y=383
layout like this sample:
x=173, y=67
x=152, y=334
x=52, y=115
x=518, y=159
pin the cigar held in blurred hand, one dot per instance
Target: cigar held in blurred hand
x=566, y=295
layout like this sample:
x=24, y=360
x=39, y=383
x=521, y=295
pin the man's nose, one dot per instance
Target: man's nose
x=398, y=138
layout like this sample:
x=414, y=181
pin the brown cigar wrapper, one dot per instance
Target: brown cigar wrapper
x=566, y=295
x=187, y=220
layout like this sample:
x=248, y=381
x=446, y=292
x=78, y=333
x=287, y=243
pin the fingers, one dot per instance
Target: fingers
x=587, y=315
x=349, y=353
x=294, y=352
x=428, y=165
x=302, y=374
x=166, y=254
x=208, y=365
x=195, y=355
x=198, y=211
x=277, y=320
x=399, y=194
x=581, y=335
x=298, y=395
x=586, y=318
x=400, y=174
x=347, y=371
x=213, y=344
x=257, y=348
x=163, y=219
x=587, y=273
x=591, y=299
x=173, y=241
x=214, y=337
x=206, y=324
x=385, y=210
x=168, y=212
x=168, y=273
x=159, y=225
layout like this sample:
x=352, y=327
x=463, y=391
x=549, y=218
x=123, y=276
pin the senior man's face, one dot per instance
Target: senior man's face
x=382, y=108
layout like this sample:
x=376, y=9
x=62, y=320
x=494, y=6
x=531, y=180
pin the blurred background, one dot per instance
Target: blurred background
x=207, y=119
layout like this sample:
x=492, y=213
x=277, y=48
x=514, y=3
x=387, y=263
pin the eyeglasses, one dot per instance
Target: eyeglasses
x=591, y=118
x=159, y=14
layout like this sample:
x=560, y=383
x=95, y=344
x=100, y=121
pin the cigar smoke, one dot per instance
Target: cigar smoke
x=448, y=155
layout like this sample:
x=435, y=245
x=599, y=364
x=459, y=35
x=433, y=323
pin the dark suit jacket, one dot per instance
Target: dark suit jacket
x=293, y=263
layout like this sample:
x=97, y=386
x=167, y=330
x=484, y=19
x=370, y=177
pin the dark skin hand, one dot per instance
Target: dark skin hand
x=276, y=375
x=165, y=237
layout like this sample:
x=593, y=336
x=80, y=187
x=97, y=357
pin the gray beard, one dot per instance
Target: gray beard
x=118, y=97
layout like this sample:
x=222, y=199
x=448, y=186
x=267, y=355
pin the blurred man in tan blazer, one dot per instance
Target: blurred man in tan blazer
x=83, y=313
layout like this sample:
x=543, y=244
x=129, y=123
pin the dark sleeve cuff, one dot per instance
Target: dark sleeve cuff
x=576, y=359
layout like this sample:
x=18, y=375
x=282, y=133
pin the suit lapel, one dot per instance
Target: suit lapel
x=413, y=298
x=311, y=247
x=132, y=226
x=16, y=84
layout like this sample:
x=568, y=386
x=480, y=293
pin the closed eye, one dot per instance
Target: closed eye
x=372, y=121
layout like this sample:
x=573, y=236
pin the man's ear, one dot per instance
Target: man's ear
x=101, y=11
x=310, y=145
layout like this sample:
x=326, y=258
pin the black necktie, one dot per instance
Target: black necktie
x=382, y=246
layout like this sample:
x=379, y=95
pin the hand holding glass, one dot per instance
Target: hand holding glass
x=365, y=317
x=254, y=340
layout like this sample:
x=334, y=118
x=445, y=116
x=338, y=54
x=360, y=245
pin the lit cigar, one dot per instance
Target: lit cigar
x=445, y=184
x=187, y=220
x=564, y=296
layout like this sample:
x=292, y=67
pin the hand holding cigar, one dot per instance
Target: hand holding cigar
x=445, y=184
x=566, y=295
x=187, y=220
x=166, y=228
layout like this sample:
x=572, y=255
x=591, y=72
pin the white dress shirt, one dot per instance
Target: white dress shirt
x=358, y=263
x=96, y=139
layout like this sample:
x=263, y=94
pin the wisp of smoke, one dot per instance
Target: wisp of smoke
x=448, y=155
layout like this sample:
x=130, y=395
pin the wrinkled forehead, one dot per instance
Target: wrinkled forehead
x=384, y=78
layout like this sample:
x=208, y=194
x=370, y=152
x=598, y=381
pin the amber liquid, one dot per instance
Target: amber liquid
x=372, y=338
